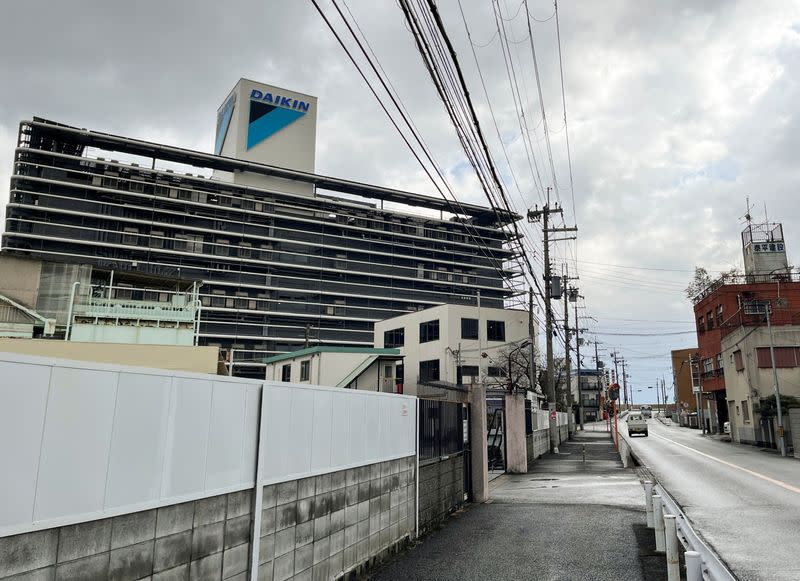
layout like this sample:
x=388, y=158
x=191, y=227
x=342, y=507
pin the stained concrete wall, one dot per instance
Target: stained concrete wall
x=315, y=528
x=204, y=539
x=173, y=357
x=441, y=489
x=324, y=527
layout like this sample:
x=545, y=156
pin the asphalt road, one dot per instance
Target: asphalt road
x=744, y=501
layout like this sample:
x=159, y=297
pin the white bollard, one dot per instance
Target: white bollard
x=658, y=521
x=648, y=502
x=694, y=566
x=673, y=556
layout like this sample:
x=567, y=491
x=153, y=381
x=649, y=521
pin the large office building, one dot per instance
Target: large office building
x=287, y=258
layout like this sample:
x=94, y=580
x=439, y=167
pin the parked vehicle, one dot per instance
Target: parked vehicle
x=637, y=424
x=726, y=427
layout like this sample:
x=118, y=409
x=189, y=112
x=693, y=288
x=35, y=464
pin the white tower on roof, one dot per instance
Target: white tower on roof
x=269, y=125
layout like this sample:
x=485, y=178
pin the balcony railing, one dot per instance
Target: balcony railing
x=730, y=279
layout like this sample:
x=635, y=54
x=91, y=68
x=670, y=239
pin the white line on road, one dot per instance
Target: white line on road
x=780, y=483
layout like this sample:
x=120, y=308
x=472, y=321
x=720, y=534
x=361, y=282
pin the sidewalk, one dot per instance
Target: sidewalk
x=565, y=519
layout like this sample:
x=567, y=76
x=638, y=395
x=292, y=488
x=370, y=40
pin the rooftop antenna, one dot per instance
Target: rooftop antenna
x=747, y=216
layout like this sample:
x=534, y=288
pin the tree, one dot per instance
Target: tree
x=516, y=359
x=700, y=282
x=769, y=408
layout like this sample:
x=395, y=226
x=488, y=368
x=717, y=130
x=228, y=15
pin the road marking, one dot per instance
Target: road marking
x=780, y=483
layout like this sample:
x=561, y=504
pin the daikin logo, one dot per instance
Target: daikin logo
x=270, y=113
x=279, y=101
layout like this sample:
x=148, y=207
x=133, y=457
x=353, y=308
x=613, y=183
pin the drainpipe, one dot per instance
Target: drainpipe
x=71, y=307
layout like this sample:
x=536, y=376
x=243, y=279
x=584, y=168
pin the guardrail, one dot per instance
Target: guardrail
x=707, y=565
x=671, y=526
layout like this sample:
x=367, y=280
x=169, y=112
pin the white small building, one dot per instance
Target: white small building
x=349, y=367
x=747, y=366
x=436, y=342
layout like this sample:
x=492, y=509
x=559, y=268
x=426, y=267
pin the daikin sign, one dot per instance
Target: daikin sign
x=279, y=101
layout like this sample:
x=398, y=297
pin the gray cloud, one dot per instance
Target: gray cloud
x=677, y=111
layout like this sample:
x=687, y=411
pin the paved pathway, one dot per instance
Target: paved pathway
x=566, y=519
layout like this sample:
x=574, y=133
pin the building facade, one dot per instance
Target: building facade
x=286, y=256
x=450, y=346
x=682, y=379
x=722, y=307
x=361, y=368
x=749, y=380
x=589, y=394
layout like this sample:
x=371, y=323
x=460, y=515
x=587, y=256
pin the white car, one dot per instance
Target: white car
x=637, y=424
x=726, y=428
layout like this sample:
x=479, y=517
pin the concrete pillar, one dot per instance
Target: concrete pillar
x=516, y=445
x=479, y=460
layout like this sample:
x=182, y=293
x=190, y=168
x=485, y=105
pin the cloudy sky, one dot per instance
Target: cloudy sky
x=676, y=112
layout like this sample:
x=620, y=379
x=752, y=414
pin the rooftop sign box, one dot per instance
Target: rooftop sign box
x=270, y=125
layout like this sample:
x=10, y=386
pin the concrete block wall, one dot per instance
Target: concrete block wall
x=538, y=443
x=203, y=539
x=441, y=490
x=324, y=527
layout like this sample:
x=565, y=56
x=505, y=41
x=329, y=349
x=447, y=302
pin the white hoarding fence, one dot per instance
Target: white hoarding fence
x=82, y=441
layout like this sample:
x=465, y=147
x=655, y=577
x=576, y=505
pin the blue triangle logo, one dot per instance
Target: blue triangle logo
x=265, y=120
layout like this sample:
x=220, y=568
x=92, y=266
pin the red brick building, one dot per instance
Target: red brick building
x=719, y=309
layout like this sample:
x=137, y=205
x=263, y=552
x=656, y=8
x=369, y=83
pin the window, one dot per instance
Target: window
x=429, y=331
x=737, y=360
x=429, y=370
x=286, y=372
x=189, y=242
x=701, y=325
x=708, y=365
x=719, y=361
x=387, y=371
x=719, y=315
x=305, y=370
x=156, y=239
x=129, y=237
x=394, y=338
x=496, y=372
x=710, y=319
x=496, y=330
x=469, y=328
x=469, y=371
x=221, y=247
x=784, y=357
x=745, y=411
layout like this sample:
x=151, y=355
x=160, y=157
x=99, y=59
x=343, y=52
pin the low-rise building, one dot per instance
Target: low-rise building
x=349, y=367
x=448, y=347
x=749, y=379
x=588, y=394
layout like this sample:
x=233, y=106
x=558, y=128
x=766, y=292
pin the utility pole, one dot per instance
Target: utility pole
x=625, y=385
x=781, y=437
x=574, y=296
x=544, y=215
x=531, y=338
x=567, y=365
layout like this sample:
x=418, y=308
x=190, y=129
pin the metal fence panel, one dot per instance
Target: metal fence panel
x=441, y=428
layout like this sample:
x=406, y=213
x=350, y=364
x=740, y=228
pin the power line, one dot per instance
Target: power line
x=476, y=236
